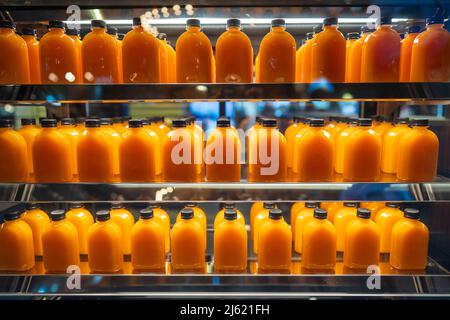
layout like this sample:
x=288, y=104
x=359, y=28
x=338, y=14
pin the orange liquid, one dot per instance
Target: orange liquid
x=172, y=64
x=163, y=61
x=16, y=241
x=348, y=47
x=418, y=155
x=386, y=219
x=194, y=57
x=355, y=58
x=52, y=156
x=257, y=69
x=295, y=210
x=220, y=218
x=328, y=55
x=341, y=140
x=342, y=218
x=409, y=249
x=298, y=63
x=261, y=218
x=116, y=139
x=13, y=156
x=389, y=151
x=319, y=245
x=34, y=58
x=76, y=39
x=290, y=134
x=277, y=56
x=254, y=210
x=60, y=61
x=332, y=210
x=306, y=61
x=14, y=61
x=230, y=247
x=29, y=132
x=405, y=56
x=147, y=246
x=430, y=52
x=73, y=135
x=382, y=128
x=60, y=246
x=38, y=221
x=160, y=216
x=100, y=53
x=199, y=217
x=82, y=219
x=381, y=56
x=374, y=207
x=234, y=57
x=303, y=217
x=125, y=220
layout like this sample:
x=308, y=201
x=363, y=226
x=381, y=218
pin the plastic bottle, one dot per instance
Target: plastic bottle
x=342, y=218
x=303, y=216
x=171, y=59
x=352, y=37
x=38, y=221
x=254, y=210
x=290, y=133
x=340, y=142
x=260, y=218
x=74, y=34
x=161, y=216
x=82, y=219
x=355, y=56
x=34, y=57
x=386, y=219
x=125, y=220
x=14, y=162
x=406, y=52
x=306, y=58
x=29, y=130
x=69, y=129
x=220, y=216
x=391, y=141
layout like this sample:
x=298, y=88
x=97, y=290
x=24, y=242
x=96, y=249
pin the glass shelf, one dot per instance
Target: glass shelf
x=432, y=93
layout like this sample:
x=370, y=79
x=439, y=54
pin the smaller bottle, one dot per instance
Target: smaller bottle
x=38, y=221
x=319, y=243
x=409, y=242
x=105, y=248
x=261, y=218
x=386, y=219
x=406, y=52
x=362, y=242
x=289, y=134
x=29, y=131
x=74, y=34
x=391, y=141
x=60, y=244
x=188, y=244
x=295, y=209
x=125, y=220
x=352, y=37
x=306, y=58
x=355, y=56
x=221, y=214
x=148, y=243
x=302, y=218
x=275, y=244
x=254, y=210
x=16, y=241
x=340, y=142
x=82, y=219
x=342, y=218
x=13, y=154
x=230, y=244
x=162, y=217
x=73, y=134
x=34, y=57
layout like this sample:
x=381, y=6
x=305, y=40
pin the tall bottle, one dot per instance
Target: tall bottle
x=163, y=59
x=386, y=219
x=300, y=220
x=355, y=56
x=171, y=59
x=14, y=60
x=430, y=52
x=34, y=57
x=328, y=53
x=74, y=34
x=342, y=218
x=100, y=54
x=60, y=61
x=38, y=221
x=277, y=54
x=113, y=32
x=406, y=52
x=290, y=134
x=82, y=219
x=340, y=142
x=418, y=153
x=69, y=129
x=352, y=37
x=391, y=142
x=14, y=162
x=125, y=220
x=306, y=58
x=194, y=55
x=60, y=244
x=380, y=60
x=298, y=61
x=254, y=210
x=29, y=130
x=106, y=124
x=220, y=216
x=294, y=211
x=260, y=218
x=161, y=216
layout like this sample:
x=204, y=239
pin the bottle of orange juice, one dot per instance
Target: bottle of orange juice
x=139, y=154
x=60, y=244
x=106, y=124
x=313, y=154
x=199, y=215
x=385, y=124
x=171, y=59
x=374, y=207
x=161, y=216
x=163, y=59
x=38, y=220
x=267, y=158
x=234, y=55
x=158, y=126
x=69, y=129
x=220, y=215
x=60, y=60
x=418, y=153
x=277, y=54
x=125, y=220
x=100, y=54
x=319, y=242
x=391, y=141
x=16, y=241
x=105, y=249
x=362, y=154
x=260, y=218
x=113, y=32
x=140, y=56
x=352, y=37
x=302, y=218
x=148, y=243
x=29, y=131
x=362, y=242
x=306, y=58
x=380, y=60
x=74, y=34
x=340, y=142
x=406, y=52
x=194, y=55
x=223, y=153
x=275, y=244
x=295, y=208
x=386, y=219
x=298, y=61
x=52, y=154
x=14, y=60
x=355, y=56
x=342, y=218
x=79, y=124
x=188, y=244
x=409, y=242
x=254, y=210
x=14, y=162
x=230, y=244
x=82, y=219
x=290, y=133
x=95, y=144
x=328, y=53
x=34, y=58
x=251, y=139
x=430, y=52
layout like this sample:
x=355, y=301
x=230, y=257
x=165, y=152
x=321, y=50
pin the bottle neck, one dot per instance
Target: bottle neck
x=193, y=29
x=56, y=30
x=278, y=29
x=233, y=29
x=98, y=30
x=330, y=27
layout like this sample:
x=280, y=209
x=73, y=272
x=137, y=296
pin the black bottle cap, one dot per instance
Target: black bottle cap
x=193, y=23
x=309, y=35
x=56, y=24
x=187, y=213
x=7, y=24
x=137, y=21
x=179, y=123
x=103, y=215
x=11, y=216
x=116, y=206
x=269, y=123
x=435, y=20
x=31, y=206
x=67, y=121
x=76, y=205
x=146, y=213
x=98, y=24
x=223, y=122
x=341, y=119
x=106, y=121
x=73, y=32
x=27, y=121
x=350, y=204
x=311, y=205
x=233, y=23
x=57, y=215
x=278, y=23
x=401, y=121
x=363, y=213
x=92, y=123
x=364, y=122
x=112, y=31
x=230, y=214
x=275, y=214
x=6, y=123
x=420, y=122
x=49, y=123
x=320, y=213
x=268, y=205
x=135, y=123
x=385, y=20
x=412, y=213
x=316, y=123
x=80, y=120
x=414, y=29
x=353, y=35
x=330, y=21
x=29, y=32
x=392, y=205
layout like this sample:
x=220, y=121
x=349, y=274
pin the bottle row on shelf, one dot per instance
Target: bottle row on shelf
x=318, y=236
x=311, y=150
x=101, y=57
